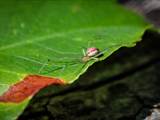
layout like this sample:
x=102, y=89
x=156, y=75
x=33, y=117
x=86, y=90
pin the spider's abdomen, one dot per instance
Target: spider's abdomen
x=92, y=51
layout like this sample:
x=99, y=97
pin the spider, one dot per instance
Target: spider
x=91, y=53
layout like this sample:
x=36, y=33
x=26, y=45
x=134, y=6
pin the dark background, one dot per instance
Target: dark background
x=125, y=86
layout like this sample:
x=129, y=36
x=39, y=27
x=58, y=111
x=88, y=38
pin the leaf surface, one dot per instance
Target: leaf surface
x=47, y=37
x=28, y=87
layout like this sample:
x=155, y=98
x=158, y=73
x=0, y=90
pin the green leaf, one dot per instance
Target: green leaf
x=33, y=32
x=10, y=111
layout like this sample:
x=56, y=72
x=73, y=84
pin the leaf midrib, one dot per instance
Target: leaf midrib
x=58, y=34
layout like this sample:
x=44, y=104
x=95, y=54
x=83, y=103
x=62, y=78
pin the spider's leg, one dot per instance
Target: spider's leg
x=88, y=44
x=43, y=66
x=105, y=50
x=84, y=52
x=101, y=53
x=94, y=58
x=63, y=67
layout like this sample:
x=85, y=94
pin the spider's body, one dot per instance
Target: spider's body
x=91, y=53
